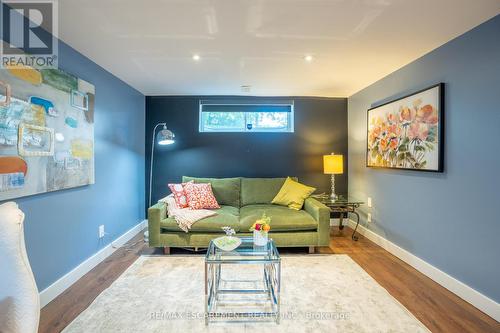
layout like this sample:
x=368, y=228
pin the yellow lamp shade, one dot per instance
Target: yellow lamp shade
x=333, y=164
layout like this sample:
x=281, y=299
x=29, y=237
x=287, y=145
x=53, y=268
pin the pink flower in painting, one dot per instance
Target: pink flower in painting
x=384, y=143
x=374, y=135
x=392, y=118
x=394, y=144
x=393, y=131
x=418, y=131
x=427, y=114
x=406, y=115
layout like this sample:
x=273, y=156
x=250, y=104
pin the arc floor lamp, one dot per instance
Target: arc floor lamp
x=164, y=137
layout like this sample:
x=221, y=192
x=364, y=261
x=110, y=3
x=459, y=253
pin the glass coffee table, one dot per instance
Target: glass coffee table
x=226, y=298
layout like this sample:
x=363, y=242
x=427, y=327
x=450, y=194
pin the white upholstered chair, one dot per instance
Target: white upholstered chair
x=19, y=299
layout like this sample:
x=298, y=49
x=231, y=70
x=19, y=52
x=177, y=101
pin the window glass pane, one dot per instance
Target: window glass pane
x=223, y=121
x=246, y=118
x=269, y=120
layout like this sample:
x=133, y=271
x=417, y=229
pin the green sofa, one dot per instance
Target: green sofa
x=243, y=201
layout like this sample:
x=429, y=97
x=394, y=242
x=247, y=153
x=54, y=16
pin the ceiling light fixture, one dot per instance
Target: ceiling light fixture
x=196, y=57
x=308, y=58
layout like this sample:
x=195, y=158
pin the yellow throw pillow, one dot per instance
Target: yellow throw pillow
x=293, y=194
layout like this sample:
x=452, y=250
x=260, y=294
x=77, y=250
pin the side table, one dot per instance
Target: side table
x=343, y=205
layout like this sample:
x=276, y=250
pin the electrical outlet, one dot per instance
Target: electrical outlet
x=369, y=217
x=101, y=231
x=369, y=202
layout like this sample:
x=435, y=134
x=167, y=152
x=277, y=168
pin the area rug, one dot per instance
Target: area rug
x=320, y=293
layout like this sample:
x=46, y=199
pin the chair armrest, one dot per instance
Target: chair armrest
x=155, y=214
x=320, y=213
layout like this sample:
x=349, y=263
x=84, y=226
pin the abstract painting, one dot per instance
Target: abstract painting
x=407, y=133
x=46, y=131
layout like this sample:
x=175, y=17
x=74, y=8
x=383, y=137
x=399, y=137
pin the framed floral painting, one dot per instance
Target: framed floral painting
x=407, y=133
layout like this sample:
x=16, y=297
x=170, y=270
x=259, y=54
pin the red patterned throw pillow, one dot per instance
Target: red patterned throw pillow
x=179, y=194
x=200, y=196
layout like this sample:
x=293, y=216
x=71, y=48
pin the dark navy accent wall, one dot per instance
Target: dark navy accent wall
x=61, y=228
x=320, y=128
x=451, y=219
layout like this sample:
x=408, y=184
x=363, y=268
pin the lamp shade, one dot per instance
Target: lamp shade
x=333, y=164
x=165, y=137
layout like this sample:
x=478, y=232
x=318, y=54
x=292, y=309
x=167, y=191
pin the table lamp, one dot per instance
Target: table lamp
x=333, y=165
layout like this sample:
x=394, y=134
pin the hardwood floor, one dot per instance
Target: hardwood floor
x=436, y=307
x=56, y=315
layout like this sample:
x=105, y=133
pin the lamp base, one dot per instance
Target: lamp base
x=333, y=196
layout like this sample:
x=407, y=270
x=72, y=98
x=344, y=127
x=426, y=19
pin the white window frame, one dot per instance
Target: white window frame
x=289, y=129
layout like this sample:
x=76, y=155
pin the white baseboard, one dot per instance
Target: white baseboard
x=63, y=283
x=472, y=296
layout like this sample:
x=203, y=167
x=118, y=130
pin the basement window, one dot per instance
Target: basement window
x=246, y=116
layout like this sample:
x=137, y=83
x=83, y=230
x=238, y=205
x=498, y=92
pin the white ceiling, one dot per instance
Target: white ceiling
x=150, y=43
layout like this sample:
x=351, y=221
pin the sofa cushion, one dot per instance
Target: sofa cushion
x=226, y=216
x=293, y=194
x=282, y=218
x=200, y=196
x=179, y=194
x=226, y=190
x=260, y=190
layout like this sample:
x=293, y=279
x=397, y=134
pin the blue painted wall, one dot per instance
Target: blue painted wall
x=451, y=219
x=61, y=228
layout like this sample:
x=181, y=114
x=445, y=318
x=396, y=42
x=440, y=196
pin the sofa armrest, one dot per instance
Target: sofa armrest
x=155, y=214
x=320, y=213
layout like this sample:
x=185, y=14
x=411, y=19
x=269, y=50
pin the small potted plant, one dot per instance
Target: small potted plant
x=260, y=230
